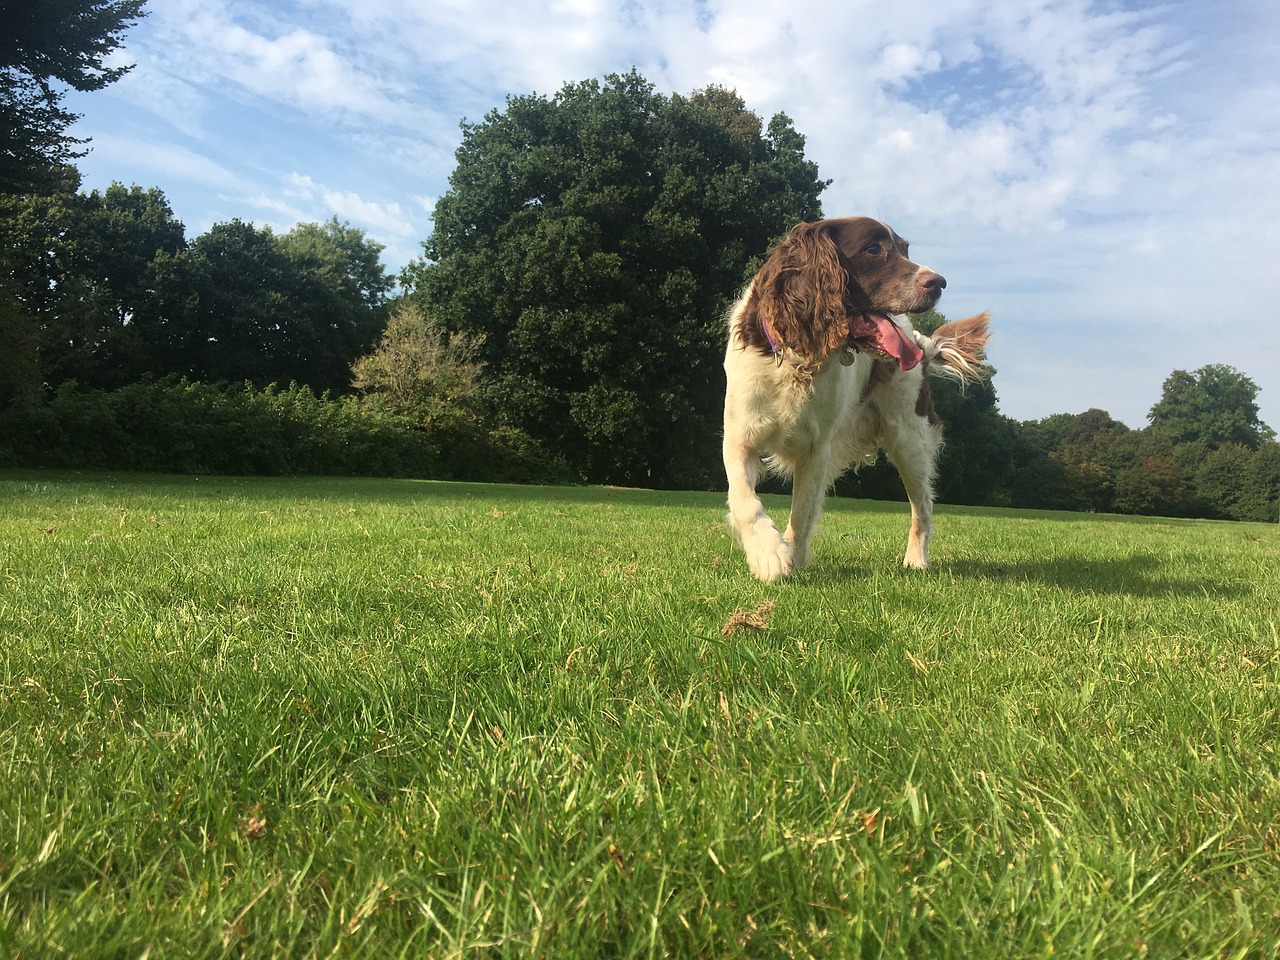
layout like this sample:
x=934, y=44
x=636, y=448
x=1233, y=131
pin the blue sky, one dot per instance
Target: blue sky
x=1103, y=176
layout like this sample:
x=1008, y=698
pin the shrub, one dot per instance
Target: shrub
x=177, y=426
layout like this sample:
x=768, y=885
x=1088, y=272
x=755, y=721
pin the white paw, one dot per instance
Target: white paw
x=768, y=555
x=799, y=558
x=915, y=560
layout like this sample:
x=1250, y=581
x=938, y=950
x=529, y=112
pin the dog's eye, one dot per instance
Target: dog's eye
x=875, y=249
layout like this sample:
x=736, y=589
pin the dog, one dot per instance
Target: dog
x=823, y=371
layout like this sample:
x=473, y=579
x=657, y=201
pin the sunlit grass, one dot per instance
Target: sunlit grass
x=367, y=718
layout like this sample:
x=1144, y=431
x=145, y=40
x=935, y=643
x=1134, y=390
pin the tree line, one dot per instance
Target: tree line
x=565, y=322
x=104, y=288
x=1203, y=453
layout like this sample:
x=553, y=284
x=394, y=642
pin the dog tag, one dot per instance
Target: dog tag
x=846, y=358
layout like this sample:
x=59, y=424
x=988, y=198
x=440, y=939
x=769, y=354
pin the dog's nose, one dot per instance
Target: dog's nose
x=931, y=282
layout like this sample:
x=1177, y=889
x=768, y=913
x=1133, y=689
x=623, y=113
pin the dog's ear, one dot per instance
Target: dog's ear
x=800, y=294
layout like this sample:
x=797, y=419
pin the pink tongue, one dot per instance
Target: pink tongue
x=896, y=343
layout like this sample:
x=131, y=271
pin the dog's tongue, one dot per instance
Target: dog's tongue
x=889, y=338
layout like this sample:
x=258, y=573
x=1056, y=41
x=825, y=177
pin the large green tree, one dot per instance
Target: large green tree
x=342, y=286
x=45, y=46
x=103, y=287
x=595, y=238
x=243, y=303
x=222, y=309
x=1215, y=405
x=1040, y=477
x=1092, y=448
x=78, y=267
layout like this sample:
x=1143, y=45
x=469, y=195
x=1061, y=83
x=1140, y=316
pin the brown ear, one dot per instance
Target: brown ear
x=800, y=294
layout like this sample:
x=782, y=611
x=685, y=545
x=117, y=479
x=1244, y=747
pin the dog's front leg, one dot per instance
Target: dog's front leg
x=807, y=495
x=913, y=449
x=768, y=555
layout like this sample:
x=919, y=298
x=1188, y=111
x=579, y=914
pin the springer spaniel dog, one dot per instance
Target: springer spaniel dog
x=824, y=372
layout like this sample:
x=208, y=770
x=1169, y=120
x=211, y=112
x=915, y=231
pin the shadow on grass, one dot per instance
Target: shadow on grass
x=1131, y=576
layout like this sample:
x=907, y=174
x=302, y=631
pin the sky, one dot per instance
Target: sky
x=1104, y=177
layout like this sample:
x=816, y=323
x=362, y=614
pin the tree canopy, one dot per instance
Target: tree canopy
x=43, y=44
x=1216, y=405
x=79, y=268
x=594, y=239
x=417, y=370
x=104, y=287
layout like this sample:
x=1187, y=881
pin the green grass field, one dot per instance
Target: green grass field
x=359, y=718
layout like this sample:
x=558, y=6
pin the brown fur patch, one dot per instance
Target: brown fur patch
x=924, y=402
x=751, y=331
x=881, y=373
x=798, y=294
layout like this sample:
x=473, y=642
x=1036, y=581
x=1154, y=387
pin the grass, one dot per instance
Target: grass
x=358, y=718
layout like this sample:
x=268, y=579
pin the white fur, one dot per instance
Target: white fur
x=813, y=428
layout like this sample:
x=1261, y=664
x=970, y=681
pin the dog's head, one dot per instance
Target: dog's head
x=834, y=284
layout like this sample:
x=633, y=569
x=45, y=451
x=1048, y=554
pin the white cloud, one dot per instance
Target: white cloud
x=163, y=161
x=905, y=61
x=299, y=185
x=258, y=52
x=381, y=218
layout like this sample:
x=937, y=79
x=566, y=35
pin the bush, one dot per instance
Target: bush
x=176, y=426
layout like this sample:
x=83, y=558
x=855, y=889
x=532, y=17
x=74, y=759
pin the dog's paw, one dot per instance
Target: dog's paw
x=800, y=558
x=915, y=561
x=768, y=555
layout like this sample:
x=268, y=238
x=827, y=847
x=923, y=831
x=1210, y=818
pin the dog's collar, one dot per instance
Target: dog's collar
x=768, y=335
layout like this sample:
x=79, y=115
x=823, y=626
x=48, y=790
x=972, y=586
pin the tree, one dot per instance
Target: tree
x=420, y=371
x=342, y=286
x=1092, y=449
x=45, y=43
x=343, y=259
x=1222, y=480
x=79, y=268
x=1153, y=486
x=1216, y=405
x=19, y=346
x=1261, y=499
x=222, y=311
x=1040, y=477
x=125, y=229
x=595, y=240
x=112, y=291
x=244, y=304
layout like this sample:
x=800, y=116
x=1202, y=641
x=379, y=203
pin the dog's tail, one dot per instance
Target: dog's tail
x=956, y=349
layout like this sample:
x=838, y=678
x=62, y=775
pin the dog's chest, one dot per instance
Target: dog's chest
x=808, y=415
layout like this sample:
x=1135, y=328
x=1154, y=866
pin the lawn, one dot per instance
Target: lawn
x=366, y=718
